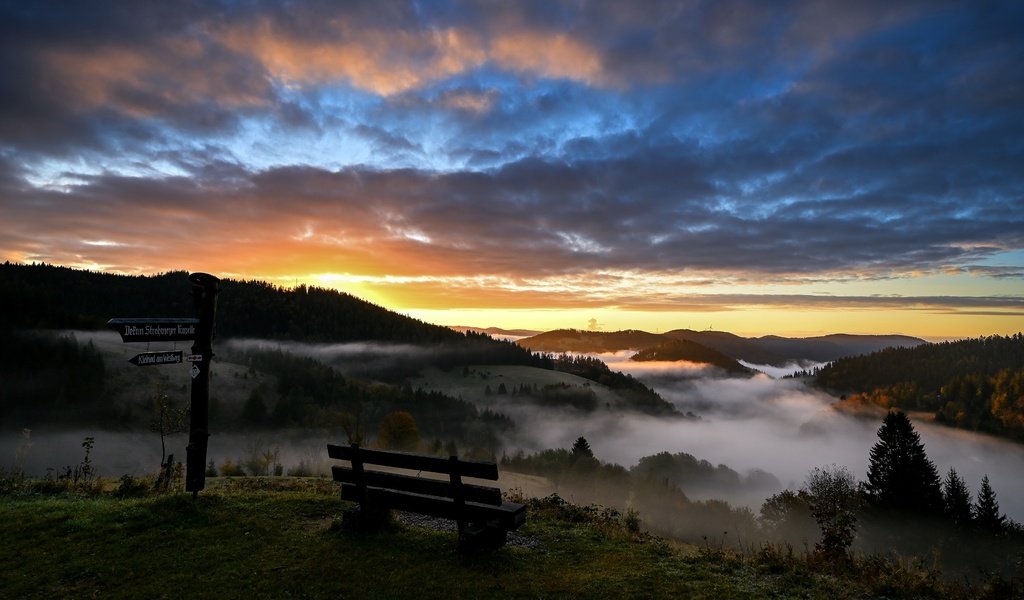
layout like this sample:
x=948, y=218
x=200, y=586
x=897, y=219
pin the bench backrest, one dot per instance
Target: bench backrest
x=453, y=467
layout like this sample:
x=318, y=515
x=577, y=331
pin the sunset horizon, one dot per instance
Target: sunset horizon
x=802, y=169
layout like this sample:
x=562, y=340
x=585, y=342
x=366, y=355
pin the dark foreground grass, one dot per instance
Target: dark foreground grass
x=249, y=543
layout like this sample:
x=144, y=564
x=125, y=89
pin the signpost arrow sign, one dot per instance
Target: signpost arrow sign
x=205, y=288
x=154, y=330
x=147, y=359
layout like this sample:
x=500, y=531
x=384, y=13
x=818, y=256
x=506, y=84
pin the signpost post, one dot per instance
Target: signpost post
x=204, y=295
x=200, y=330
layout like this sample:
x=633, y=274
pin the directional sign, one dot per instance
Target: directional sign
x=154, y=330
x=147, y=359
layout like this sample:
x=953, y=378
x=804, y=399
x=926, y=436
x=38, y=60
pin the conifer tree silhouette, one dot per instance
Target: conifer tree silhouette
x=986, y=511
x=957, y=499
x=900, y=475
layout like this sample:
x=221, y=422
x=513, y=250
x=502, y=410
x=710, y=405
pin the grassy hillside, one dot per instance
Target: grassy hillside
x=474, y=381
x=244, y=539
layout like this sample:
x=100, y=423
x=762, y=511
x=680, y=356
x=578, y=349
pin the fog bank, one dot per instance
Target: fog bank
x=779, y=426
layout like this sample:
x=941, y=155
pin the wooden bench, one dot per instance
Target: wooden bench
x=483, y=519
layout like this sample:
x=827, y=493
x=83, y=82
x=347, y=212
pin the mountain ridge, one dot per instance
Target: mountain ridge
x=765, y=350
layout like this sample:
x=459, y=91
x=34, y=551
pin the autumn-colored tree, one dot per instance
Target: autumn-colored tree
x=398, y=431
x=832, y=493
x=787, y=516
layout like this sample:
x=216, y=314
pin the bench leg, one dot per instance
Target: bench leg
x=365, y=520
x=478, y=537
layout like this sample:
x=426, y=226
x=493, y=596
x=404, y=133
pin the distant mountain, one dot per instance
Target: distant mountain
x=767, y=350
x=733, y=346
x=591, y=342
x=496, y=331
x=779, y=351
x=673, y=350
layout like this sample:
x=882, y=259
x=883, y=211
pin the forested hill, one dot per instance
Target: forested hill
x=975, y=383
x=778, y=351
x=49, y=297
x=766, y=350
x=674, y=350
x=587, y=342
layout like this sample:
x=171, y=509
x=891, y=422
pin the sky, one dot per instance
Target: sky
x=756, y=167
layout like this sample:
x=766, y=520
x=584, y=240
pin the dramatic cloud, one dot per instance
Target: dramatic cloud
x=470, y=154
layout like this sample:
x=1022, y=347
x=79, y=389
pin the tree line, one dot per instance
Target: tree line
x=902, y=506
x=310, y=393
x=975, y=384
x=52, y=378
x=42, y=296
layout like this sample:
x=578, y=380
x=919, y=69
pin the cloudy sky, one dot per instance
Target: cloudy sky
x=786, y=167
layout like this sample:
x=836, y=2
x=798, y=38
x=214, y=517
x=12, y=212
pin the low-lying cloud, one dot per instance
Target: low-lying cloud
x=786, y=369
x=755, y=424
x=759, y=423
x=351, y=358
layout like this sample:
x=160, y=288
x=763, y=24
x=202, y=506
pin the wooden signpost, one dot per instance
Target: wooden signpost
x=204, y=296
x=200, y=330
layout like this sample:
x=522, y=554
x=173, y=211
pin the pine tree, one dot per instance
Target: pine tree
x=581, y=458
x=581, y=448
x=900, y=476
x=986, y=511
x=957, y=499
x=254, y=412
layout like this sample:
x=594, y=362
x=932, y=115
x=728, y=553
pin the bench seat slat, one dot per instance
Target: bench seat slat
x=418, y=485
x=508, y=515
x=416, y=462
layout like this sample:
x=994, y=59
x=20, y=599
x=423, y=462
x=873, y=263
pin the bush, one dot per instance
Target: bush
x=300, y=470
x=11, y=481
x=132, y=487
x=398, y=431
x=229, y=469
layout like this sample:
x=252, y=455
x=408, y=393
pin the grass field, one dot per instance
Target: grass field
x=471, y=384
x=253, y=538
